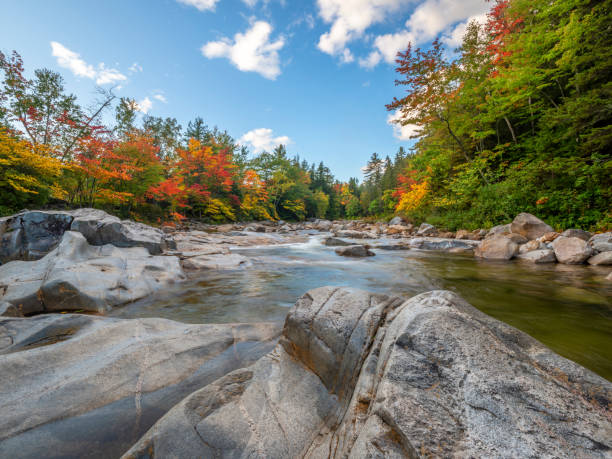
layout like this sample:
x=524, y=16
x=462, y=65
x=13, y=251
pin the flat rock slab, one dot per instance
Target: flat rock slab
x=85, y=386
x=363, y=375
x=439, y=243
x=79, y=276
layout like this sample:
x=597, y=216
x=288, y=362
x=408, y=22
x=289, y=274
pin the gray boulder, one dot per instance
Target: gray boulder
x=363, y=375
x=601, y=242
x=529, y=226
x=354, y=251
x=571, y=250
x=354, y=234
x=216, y=261
x=538, y=256
x=396, y=221
x=499, y=229
x=323, y=225
x=584, y=235
x=76, y=276
x=601, y=259
x=498, y=247
x=426, y=230
x=335, y=242
x=86, y=386
x=439, y=243
x=8, y=310
x=100, y=228
x=30, y=235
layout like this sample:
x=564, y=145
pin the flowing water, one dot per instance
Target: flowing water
x=568, y=308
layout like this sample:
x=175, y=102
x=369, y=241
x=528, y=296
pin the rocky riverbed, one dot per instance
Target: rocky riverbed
x=351, y=373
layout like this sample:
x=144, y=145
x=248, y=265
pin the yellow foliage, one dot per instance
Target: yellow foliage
x=413, y=198
x=28, y=168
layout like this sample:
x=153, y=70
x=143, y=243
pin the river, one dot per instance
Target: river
x=568, y=308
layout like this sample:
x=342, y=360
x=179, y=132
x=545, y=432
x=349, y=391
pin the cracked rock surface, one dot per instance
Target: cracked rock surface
x=79, y=276
x=77, y=385
x=357, y=374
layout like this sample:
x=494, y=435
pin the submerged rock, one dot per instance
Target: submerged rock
x=77, y=275
x=355, y=251
x=363, y=375
x=571, y=250
x=499, y=247
x=529, y=226
x=91, y=386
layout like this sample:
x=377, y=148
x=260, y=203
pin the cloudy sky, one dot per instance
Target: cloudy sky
x=313, y=74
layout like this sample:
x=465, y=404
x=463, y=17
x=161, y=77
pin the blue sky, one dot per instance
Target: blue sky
x=313, y=74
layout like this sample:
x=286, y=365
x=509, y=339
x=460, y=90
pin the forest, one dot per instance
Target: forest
x=518, y=119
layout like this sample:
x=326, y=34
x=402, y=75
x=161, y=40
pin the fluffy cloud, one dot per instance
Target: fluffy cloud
x=262, y=139
x=401, y=132
x=73, y=62
x=202, y=5
x=251, y=51
x=135, y=68
x=349, y=20
x=144, y=105
x=428, y=20
x=160, y=97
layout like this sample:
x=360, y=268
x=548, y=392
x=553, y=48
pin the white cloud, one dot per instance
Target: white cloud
x=250, y=3
x=262, y=139
x=251, y=51
x=454, y=37
x=428, y=20
x=73, y=62
x=349, y=20
x=144, y=105
x=202, y=5
x=135, y=68
x=399, y=131
x=160, y=97
x=371, y=61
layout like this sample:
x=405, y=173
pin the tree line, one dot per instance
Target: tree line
x=517, y=119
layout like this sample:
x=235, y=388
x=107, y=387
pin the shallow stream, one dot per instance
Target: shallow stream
x=568, y=308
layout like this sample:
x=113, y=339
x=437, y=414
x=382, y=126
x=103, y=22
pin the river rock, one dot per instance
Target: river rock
x=354, y=251
x=395, y=229
x=581, y=234
x=216, y=261
x=323, y=225
x=76, y=275
x=463, y=234
x=603, y=259
x=529, y=226
x=531, y=245
x=91, y=386
x=517, y=238
x=353, y=234
x=601, y=242
x=499, y=229
x=9, y=310
x=549, y=237
x=363, y=375
x=499, y=247
x=538, y=256
x=571, y=250
x=335, y=242
x=30, y=235
x=396, y=221
x=438, y=243
x=426, y=230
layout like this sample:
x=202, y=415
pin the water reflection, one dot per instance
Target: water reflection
x=568, y=308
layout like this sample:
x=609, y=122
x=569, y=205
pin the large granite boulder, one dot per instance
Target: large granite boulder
x=363, y=375
x=499, y=247
x=571, y=250
x=396, y=221
x=529, y=226
x=601, y=259
x=30, y=235
x=581, y=234
x=335, y=242
x=426, y=230
x=79, y=276
x=100, y=228
x=86, y=386
x=499, y=229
